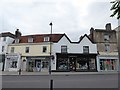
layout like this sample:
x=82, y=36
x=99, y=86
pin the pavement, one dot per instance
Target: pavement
x=54, y=73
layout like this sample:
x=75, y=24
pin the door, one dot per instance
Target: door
x=38, y=66
x=72, y=63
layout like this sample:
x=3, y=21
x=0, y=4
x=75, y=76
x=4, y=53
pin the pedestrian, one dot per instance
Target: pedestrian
x=19, y=71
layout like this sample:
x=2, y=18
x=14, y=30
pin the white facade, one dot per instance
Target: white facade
x=4, y=42
x=72, y=47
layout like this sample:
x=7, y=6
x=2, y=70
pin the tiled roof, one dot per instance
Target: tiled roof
x=7, y=34
x=40, y=38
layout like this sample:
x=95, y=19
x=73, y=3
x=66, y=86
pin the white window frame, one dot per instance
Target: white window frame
x=44, y=48
x=63, y=49
x=12, y=49
x=85, y=49
x=46, y=38
x=30, y=40
x=106, y=37
x=27, y=49
x=17, y=40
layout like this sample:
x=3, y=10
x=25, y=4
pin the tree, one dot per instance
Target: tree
x=116, y=8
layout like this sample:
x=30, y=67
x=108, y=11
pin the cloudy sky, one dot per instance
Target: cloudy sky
x=73, y=17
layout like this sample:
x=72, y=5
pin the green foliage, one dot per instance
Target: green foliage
x=115, y=8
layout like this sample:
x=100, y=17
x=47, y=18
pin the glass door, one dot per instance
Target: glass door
x=38, y=66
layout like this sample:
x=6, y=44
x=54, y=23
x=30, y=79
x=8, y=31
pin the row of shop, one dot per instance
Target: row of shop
x=62, y=63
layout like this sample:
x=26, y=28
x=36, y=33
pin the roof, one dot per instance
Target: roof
x=87, y=37
x=7, y=34
x=37, y=38
x=104, y=30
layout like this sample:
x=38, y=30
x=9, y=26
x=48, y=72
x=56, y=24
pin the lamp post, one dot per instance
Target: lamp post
x=50, y=48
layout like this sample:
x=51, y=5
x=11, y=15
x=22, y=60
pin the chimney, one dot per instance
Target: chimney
x=108, y=26
x=17, y=33
x=91, y=30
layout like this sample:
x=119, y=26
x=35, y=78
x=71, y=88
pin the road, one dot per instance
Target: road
x=61, y=81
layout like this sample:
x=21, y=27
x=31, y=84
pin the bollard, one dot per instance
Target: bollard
x=51, y=84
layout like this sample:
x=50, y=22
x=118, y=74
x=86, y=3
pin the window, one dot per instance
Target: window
x=3, y=47
x=85, y=49
x=12, y=49
x=30, y=40
x=107, y=47
x=46, y=38
x=27, y=50
x=63, y=64
x=4, y=38
x=16, y=40
x=63, y=49
x=106, y=37
x=14, y=64
x=44, y=49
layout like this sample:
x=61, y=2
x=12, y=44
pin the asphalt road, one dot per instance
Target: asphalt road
x=61, y=81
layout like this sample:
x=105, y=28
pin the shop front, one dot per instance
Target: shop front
x=38, y=64
x=108, y=63
x=12, y=62
x=76, y=62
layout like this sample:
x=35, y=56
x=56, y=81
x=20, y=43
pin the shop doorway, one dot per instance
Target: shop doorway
x=42, y=65
x=72, y=63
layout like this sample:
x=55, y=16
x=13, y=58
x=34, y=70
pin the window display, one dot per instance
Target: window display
x=63, y=64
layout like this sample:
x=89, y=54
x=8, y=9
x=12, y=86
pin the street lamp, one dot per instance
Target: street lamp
x=50, y=48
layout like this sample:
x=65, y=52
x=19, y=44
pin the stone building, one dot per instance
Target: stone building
x=106, y=41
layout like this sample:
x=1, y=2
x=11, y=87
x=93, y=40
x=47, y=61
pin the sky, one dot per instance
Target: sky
x=72, y=17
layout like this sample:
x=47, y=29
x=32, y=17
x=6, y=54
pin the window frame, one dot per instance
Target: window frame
x=64, y=49
x=106, y=37
x=107, y=47
x=84, y=49
x=3, y=48
x=27, y=49
x=46, y=38
x=12, y=49
x=30, y=40
x=44, y=49
x=4, y=39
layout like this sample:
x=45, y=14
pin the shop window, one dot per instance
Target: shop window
x=92, y=64
x=63, y=49
x=3, y=48
x=45, y=64
x=107, y=64
x=106, y=37
x=46, y=38
x=44, y=49
x=107, y=47
x=27, y=50
x=81, y=64
x=85, y=49
x=12, y=49
x=14, y=64
x=63, y=64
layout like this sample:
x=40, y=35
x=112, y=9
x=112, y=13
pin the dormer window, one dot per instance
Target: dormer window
x=30, y=40
x=86, y=49
x=46, y=39
x=17, y=40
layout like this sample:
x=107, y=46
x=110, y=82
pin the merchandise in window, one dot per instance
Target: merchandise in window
x=63, y=64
